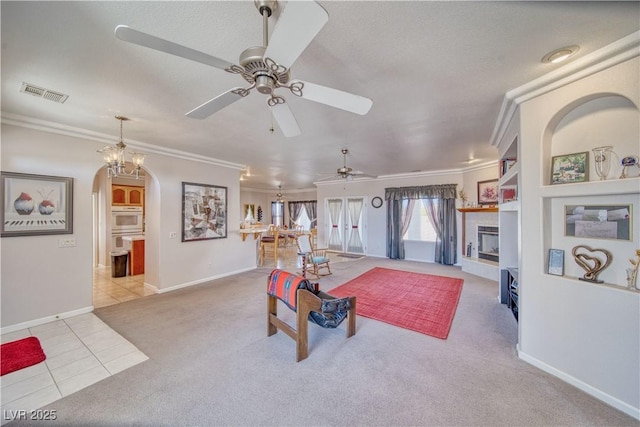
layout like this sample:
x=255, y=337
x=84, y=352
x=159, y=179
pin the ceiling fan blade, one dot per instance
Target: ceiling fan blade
x=286, y=120
x=336, y=98
x=299, y=23
x=214, y=105
x=130, y=35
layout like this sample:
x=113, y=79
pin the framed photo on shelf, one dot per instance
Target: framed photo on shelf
x=556, y=262
x=204, y=212
x=35, y=205
x=488, y=192
x=598, y=221
x=569, y=168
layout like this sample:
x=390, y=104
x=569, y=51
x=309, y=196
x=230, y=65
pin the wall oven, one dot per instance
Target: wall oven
x=126, y=219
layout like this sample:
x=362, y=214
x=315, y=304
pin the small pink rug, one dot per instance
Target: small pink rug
x=20, y=354
x=420, y=302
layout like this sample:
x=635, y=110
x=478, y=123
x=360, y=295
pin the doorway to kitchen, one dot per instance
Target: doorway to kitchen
x=119, y=235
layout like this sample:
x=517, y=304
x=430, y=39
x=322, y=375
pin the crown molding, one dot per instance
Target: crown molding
x=613, y=54
x=60, y=129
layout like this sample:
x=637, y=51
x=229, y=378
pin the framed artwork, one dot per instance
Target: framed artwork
x=488, y=192
x=556, y=262
x=204, y=212
x=570, y=168
x=598, y=221
x=36, y=204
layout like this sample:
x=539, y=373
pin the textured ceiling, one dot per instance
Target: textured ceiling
x=437, y=73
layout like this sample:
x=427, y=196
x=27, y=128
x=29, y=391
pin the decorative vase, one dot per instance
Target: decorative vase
x=46, y=207
x=602, y=156
x=24, y=204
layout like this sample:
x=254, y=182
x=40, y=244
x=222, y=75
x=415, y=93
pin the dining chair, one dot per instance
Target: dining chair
x=269, y=242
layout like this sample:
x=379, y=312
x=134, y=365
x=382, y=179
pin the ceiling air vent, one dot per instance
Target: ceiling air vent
x=43, y=93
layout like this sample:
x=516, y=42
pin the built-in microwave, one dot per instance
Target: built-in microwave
x=126, y=219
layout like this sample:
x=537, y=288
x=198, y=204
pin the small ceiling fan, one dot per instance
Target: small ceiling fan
x=346, y=172
x=266, y=68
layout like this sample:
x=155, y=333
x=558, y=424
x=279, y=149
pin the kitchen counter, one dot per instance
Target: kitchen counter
x=135, y=245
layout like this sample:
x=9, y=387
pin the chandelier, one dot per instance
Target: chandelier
x=114, y=157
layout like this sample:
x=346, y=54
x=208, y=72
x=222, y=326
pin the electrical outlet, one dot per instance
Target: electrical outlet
x=67, y=243
x=173, y=234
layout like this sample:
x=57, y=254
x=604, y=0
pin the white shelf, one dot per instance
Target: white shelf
x=511, y=176
x=513, y=206
x=593, y=188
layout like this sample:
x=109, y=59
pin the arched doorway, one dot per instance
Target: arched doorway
x=119, y=217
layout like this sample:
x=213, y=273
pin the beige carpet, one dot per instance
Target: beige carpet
x=211, y=363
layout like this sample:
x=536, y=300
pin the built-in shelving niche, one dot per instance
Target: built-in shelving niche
x=588, y=125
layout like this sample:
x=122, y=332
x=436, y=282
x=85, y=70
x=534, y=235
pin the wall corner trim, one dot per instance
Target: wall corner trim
x=47, y=319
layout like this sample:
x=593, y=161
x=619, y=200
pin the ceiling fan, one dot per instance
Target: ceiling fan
x=266, y=68
x=346, y=172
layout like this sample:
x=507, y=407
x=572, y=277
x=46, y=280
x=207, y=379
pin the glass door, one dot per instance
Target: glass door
x=346, y=222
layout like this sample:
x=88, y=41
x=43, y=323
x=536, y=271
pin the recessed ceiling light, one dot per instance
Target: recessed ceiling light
x=560, y=55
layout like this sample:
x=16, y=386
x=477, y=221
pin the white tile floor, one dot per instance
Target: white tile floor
x=80, y=350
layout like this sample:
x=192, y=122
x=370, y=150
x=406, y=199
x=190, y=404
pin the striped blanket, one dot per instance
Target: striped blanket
x=284, y=286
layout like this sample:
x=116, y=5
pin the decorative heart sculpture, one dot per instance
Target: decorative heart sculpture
x=592, y=264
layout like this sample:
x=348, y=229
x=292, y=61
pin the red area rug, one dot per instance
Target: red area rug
x=20, y=354
x=420, y=302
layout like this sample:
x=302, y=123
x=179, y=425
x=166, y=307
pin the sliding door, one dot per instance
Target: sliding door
x=346, y=224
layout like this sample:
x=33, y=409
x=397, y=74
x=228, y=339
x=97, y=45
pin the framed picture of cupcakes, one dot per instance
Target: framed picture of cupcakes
x=35, y=204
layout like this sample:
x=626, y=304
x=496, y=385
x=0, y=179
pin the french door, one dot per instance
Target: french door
x=346, y=224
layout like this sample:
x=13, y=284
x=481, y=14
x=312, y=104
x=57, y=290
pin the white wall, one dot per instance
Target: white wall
x=41, y=280
x=585, y=333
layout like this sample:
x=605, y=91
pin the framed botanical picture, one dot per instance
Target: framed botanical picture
x=570, y=168
x=488, y=192
x=36, y=204
x=598, y=221
x=204, y=212
x=556, y=262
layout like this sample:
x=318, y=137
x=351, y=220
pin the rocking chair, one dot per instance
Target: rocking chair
x=316, y=259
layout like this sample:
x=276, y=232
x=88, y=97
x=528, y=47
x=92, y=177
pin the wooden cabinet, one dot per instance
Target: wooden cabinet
x=125, y=195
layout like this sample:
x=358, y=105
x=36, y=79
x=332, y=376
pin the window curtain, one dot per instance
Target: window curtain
x=441, y=211
x=294, y=212
x=355, y=209
x=335, y=207
x=312, y=210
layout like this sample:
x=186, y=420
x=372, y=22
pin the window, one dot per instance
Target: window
x=420, y=227
x=277, y=213
x=303, y=219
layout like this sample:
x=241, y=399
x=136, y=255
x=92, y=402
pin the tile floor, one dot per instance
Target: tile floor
x=81, y=351
x=109, y=290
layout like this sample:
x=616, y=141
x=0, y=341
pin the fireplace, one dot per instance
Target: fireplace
x=488, y=242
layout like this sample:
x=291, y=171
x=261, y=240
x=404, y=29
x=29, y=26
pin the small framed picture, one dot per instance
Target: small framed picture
x=556, y=262
x=488, y=192
x=570, y=168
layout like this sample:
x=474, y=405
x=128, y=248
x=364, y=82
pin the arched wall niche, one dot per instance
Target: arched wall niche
x=592, y=121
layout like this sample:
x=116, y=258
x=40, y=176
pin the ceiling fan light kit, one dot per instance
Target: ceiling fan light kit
x=266, y=68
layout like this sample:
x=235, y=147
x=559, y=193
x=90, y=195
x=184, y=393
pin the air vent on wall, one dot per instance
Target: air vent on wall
x=43, y=93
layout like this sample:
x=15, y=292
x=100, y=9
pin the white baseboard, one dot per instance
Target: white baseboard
x=598, y=394
x=196, y=282
x=47, y=319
